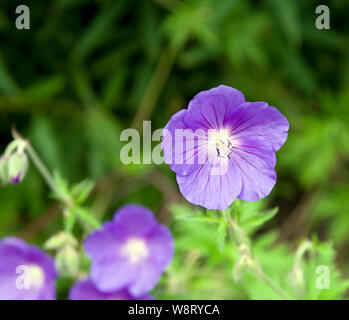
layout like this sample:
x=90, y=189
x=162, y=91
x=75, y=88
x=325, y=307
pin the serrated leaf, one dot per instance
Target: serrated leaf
x=81, y=191
x=62, y=193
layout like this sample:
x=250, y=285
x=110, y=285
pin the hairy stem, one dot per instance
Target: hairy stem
x=239, y=238
x=40, y=166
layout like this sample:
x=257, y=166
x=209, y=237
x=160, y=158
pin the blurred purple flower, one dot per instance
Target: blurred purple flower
x=86, y=290
x=132, y=251
x=26, y=272
x=232, y=149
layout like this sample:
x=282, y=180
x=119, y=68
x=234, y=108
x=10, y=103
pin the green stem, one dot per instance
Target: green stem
x=40, y=166
x=304, y=247
x=270, y=282
x=239, y=238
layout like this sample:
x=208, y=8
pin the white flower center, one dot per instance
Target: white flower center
x=36, y=276
x=221, y=142
x=135, y=250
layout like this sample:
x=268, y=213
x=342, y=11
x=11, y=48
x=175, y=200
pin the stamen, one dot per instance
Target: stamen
x=223, y=143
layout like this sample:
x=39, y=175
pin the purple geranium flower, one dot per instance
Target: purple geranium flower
x=132, y=251
x=232, y=149
x=26, y=272
x=86, y=290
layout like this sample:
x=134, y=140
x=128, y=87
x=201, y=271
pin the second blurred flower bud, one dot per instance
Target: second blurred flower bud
x=68, y=261
x=67, y=257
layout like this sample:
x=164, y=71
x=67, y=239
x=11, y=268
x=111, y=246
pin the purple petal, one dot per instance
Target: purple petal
x=113, y=274
x=259, y=119
x=213, y=186
x=135, y=219
x=147, y=278
x=160, y=245
x=209, y=109
x=181, y=148
x=105, y=242
x=86, y=290
x=258, y=176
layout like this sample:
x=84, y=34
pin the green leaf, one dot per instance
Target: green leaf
x=45, y=89
x=63, y=192
x=96, y=31
x=81, y=191
x=259, y=219
x=181, y=212
x=86, y=218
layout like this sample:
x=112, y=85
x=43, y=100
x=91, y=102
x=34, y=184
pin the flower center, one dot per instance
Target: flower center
x=36, y=276
x=221, y=142
x=135, y=250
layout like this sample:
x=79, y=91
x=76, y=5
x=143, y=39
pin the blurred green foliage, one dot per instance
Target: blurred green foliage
x=87, y=69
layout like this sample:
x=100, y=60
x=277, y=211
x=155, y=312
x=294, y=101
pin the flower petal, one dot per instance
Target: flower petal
x=86, y=290
x=147, y=278
x=181, y=145
x=209, y=109
x=259, y=119
x=160, y=245
x=112, y=274
x=135, y=220
x=104, y=243
x=258, y=176
x=214, y=186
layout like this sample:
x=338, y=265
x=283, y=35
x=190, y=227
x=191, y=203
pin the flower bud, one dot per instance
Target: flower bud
x=242, y=263
x=4, y=177
x=67, y=261
x=60, y=240
x=17, y=167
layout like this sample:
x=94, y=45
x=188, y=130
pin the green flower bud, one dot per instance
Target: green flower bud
x=60, y=240
x=4, y=177
x=68, y=261
x=17, y=167
x=243, y=262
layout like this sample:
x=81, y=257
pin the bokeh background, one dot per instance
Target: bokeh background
x=87, y=69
